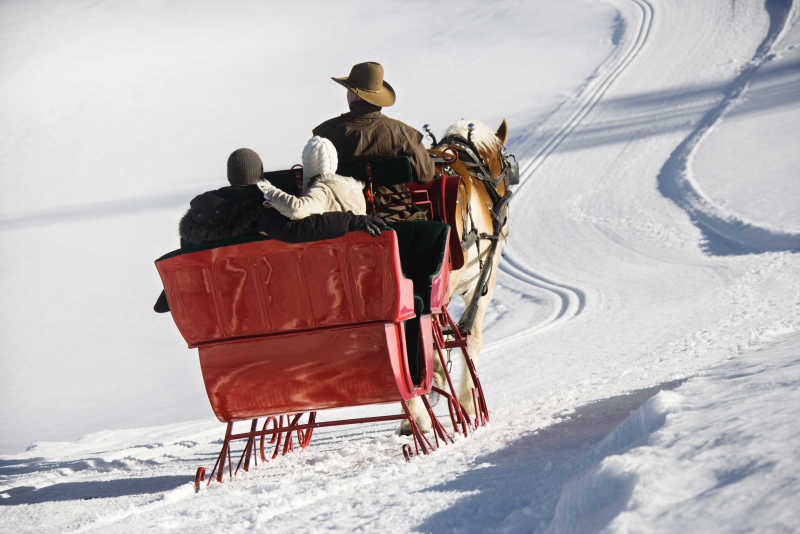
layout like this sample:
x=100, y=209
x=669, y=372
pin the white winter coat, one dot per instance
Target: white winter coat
x=324, y=190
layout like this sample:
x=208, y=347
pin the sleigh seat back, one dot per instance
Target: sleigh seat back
x=290, y=327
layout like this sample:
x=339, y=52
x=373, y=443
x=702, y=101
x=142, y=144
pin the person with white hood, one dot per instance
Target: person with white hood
x=323, y=189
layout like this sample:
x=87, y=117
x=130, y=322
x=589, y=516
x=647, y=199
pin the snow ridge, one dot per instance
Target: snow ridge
x=726, y=233
x=702, y=440
x=590, y=501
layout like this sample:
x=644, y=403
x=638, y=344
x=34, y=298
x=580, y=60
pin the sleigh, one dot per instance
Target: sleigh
x=287, y=330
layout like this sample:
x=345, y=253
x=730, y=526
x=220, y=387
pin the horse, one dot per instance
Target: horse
x=473, y=151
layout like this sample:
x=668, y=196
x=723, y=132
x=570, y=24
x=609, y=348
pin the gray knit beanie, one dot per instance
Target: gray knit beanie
x=244, y=167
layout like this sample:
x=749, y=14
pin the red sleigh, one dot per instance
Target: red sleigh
x=284, y=330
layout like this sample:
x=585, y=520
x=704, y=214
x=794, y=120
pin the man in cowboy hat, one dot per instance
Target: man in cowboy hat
x=365, y=133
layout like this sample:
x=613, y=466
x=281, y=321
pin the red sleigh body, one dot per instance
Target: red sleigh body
x=286, y=329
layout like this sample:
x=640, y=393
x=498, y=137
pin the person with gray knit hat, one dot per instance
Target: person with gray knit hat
x=323, y=189
x=230, y=211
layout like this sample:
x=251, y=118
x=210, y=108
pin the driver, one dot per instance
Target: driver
x=366, y=134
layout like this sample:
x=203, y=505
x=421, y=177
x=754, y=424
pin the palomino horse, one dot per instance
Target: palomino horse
x=473, y=151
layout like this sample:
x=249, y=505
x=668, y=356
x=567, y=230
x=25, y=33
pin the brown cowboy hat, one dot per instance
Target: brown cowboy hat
x=366, y=82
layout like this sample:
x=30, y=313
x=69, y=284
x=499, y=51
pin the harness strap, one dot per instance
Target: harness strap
x=482, y=287
x=477, y=169
x=469, y=149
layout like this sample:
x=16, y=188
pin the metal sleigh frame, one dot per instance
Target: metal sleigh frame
x=276, y=437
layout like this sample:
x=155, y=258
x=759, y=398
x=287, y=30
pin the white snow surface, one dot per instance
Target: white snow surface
x=642, y=354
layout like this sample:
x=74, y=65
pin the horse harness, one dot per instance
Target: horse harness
x=467, y=153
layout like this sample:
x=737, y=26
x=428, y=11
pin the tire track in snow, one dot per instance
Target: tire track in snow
x=725, y=233
x=572, y=299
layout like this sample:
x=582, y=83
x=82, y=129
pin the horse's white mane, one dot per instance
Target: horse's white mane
x=482, y=136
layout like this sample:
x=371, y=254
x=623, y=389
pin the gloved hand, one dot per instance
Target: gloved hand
x=373, y=225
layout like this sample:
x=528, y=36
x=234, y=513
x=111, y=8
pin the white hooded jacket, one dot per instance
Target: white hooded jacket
x=323, y=189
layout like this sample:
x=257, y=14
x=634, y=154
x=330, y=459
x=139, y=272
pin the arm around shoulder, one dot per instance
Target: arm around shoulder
x=315, y=201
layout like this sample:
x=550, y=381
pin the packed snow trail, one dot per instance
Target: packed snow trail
x=587, y=206
x=572, y=300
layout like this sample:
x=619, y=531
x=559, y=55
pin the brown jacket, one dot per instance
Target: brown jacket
x=366, y=133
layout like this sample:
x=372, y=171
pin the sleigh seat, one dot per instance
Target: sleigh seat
x=424, y=258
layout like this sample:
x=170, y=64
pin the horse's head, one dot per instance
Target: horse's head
x=476, y=143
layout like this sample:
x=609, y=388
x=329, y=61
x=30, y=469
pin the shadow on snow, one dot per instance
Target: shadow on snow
x=72, y=491
x=659, y=112
x=529, y=473
x=724, y=235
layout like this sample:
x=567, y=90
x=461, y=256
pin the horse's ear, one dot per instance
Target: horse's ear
x=502, y=132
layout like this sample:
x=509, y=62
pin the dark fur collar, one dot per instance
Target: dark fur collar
x=222, y=214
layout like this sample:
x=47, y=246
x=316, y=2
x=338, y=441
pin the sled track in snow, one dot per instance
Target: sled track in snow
x=593, y=93
x=572, y=300
x=726, y=234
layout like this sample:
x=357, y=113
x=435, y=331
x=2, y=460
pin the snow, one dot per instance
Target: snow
x=758, y=139
x=642, y=354
x=123, y=112
x=698, y=454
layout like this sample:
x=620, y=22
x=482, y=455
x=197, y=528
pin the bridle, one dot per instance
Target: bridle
x=470, y=156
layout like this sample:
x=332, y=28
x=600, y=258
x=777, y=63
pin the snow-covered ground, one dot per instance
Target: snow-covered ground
x=642, y=362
